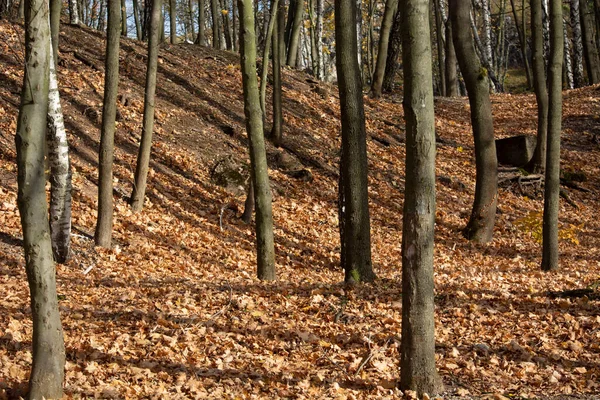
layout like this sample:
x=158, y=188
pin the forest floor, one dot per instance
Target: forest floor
x=174, y=310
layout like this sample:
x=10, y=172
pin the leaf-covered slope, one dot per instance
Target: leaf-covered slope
x=174, y=310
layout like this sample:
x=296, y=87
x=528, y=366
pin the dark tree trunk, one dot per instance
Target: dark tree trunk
x=451, y=66
x=590, y=49
x=265, y=252
x=136, y=19
x=552, y=181
x=47, y=373
x=355, y=230
x=123, y=18
x=216, y=30
x=296, y=26
x=577, y=44
x=480, y=227
x=417, y=363
x=277, y=132
x=55, y=9
x=234, y=23
x=201, y=39
x=143, y=159
x=538, y=162
x=104, y=224
x=266, y=55
x=173, y=21
x=440, y=46
x=522, y=41
x=391, y=7
x=394, y=47
x=226, y=26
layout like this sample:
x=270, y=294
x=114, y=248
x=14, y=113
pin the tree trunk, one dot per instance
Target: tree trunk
x=248, y=204
x=47, y=372
x=104, y=224
x=355, y=230
x=451, y=66
x=200, y=39
x=522, y=41
x=568, y=64
x=143, y=159
x=136, y=18
x=394, y=47
x=391, y=7
x=277, y=131
x=101, y=16
x=439, y=23
x=234, y=23
x=123, y=18
x=226, y=25
x=216, y=34
x=538, y=162
x=55, y=9
x=480, y=227
x=417, y=363
x=577, y=44
x=265, y=58
x=294, y=39
x=73, y=12
x=190, y=7
x=60, y=173
x=173, y=21
x=590, y=49
x=265, y=252
x=552, y=181
x=359, y=37
x=319, y=39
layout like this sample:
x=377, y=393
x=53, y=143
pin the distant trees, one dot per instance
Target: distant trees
x=47, y=373
x=353, y=203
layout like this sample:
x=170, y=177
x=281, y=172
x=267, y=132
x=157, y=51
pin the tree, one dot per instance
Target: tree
x=201, y=40
x=577, y=44
x=355, y=226
x=104, y=224
x=590, y=49
x=173, y=21
x=552, y=176
x=123, y=18
x=136, y=19
x=394, y=47
x=48, y=362
x=417, y=363
x=265, y=252
x=277, y=131
x=265, y=57
x=481, y=223
x=451, y=67
x=215, y=24
x=521, y=32
x=538, y=162
x=295, y=18
x=143, y=159
x=391, y=6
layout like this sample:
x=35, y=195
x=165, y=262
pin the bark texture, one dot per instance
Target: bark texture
x=265, y=252
x=552, y=177
x=47, y=372
x=394, y=47
x=143, y=159
x=295, y=31
x=417, y=363
x=355, y=229
x=481, y=223
x=577, y=44
x=104, y=224
x=173, y=21
x=590, y=49
x=277, y=131
x=451, y=64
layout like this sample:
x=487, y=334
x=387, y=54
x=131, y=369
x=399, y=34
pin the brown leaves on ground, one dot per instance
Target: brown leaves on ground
x=174, y=310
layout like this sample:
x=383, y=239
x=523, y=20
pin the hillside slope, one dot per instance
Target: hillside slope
x=174, y=310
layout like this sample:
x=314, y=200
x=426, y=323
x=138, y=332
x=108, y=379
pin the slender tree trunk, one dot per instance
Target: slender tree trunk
x=265, y=58
x=123, y=18
x=104, y=224
x=143, y=159
x=173, y=21
x=265, y=252
x=439, y=23
x=480, y=227
x=73, y=12
x=191, y=18
x=552, y=177
x=417, y=363
x=101, y=16
x=47, y=372
x=201, y=39
x=216, y=34
x=451, y=66
x=319, y=39
x=296, y=26
x=234, y=23
x=590, y=49
x=487, y=30
x=359, y=36
x=163, y=12
x=355, y=230
x=55, y=9
x=226, y=26
x=277, y=132
x=391, y=7
x=136, y=19
x=522, y=41
x=538, y=162
x=577, y=44
x=394, y=47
